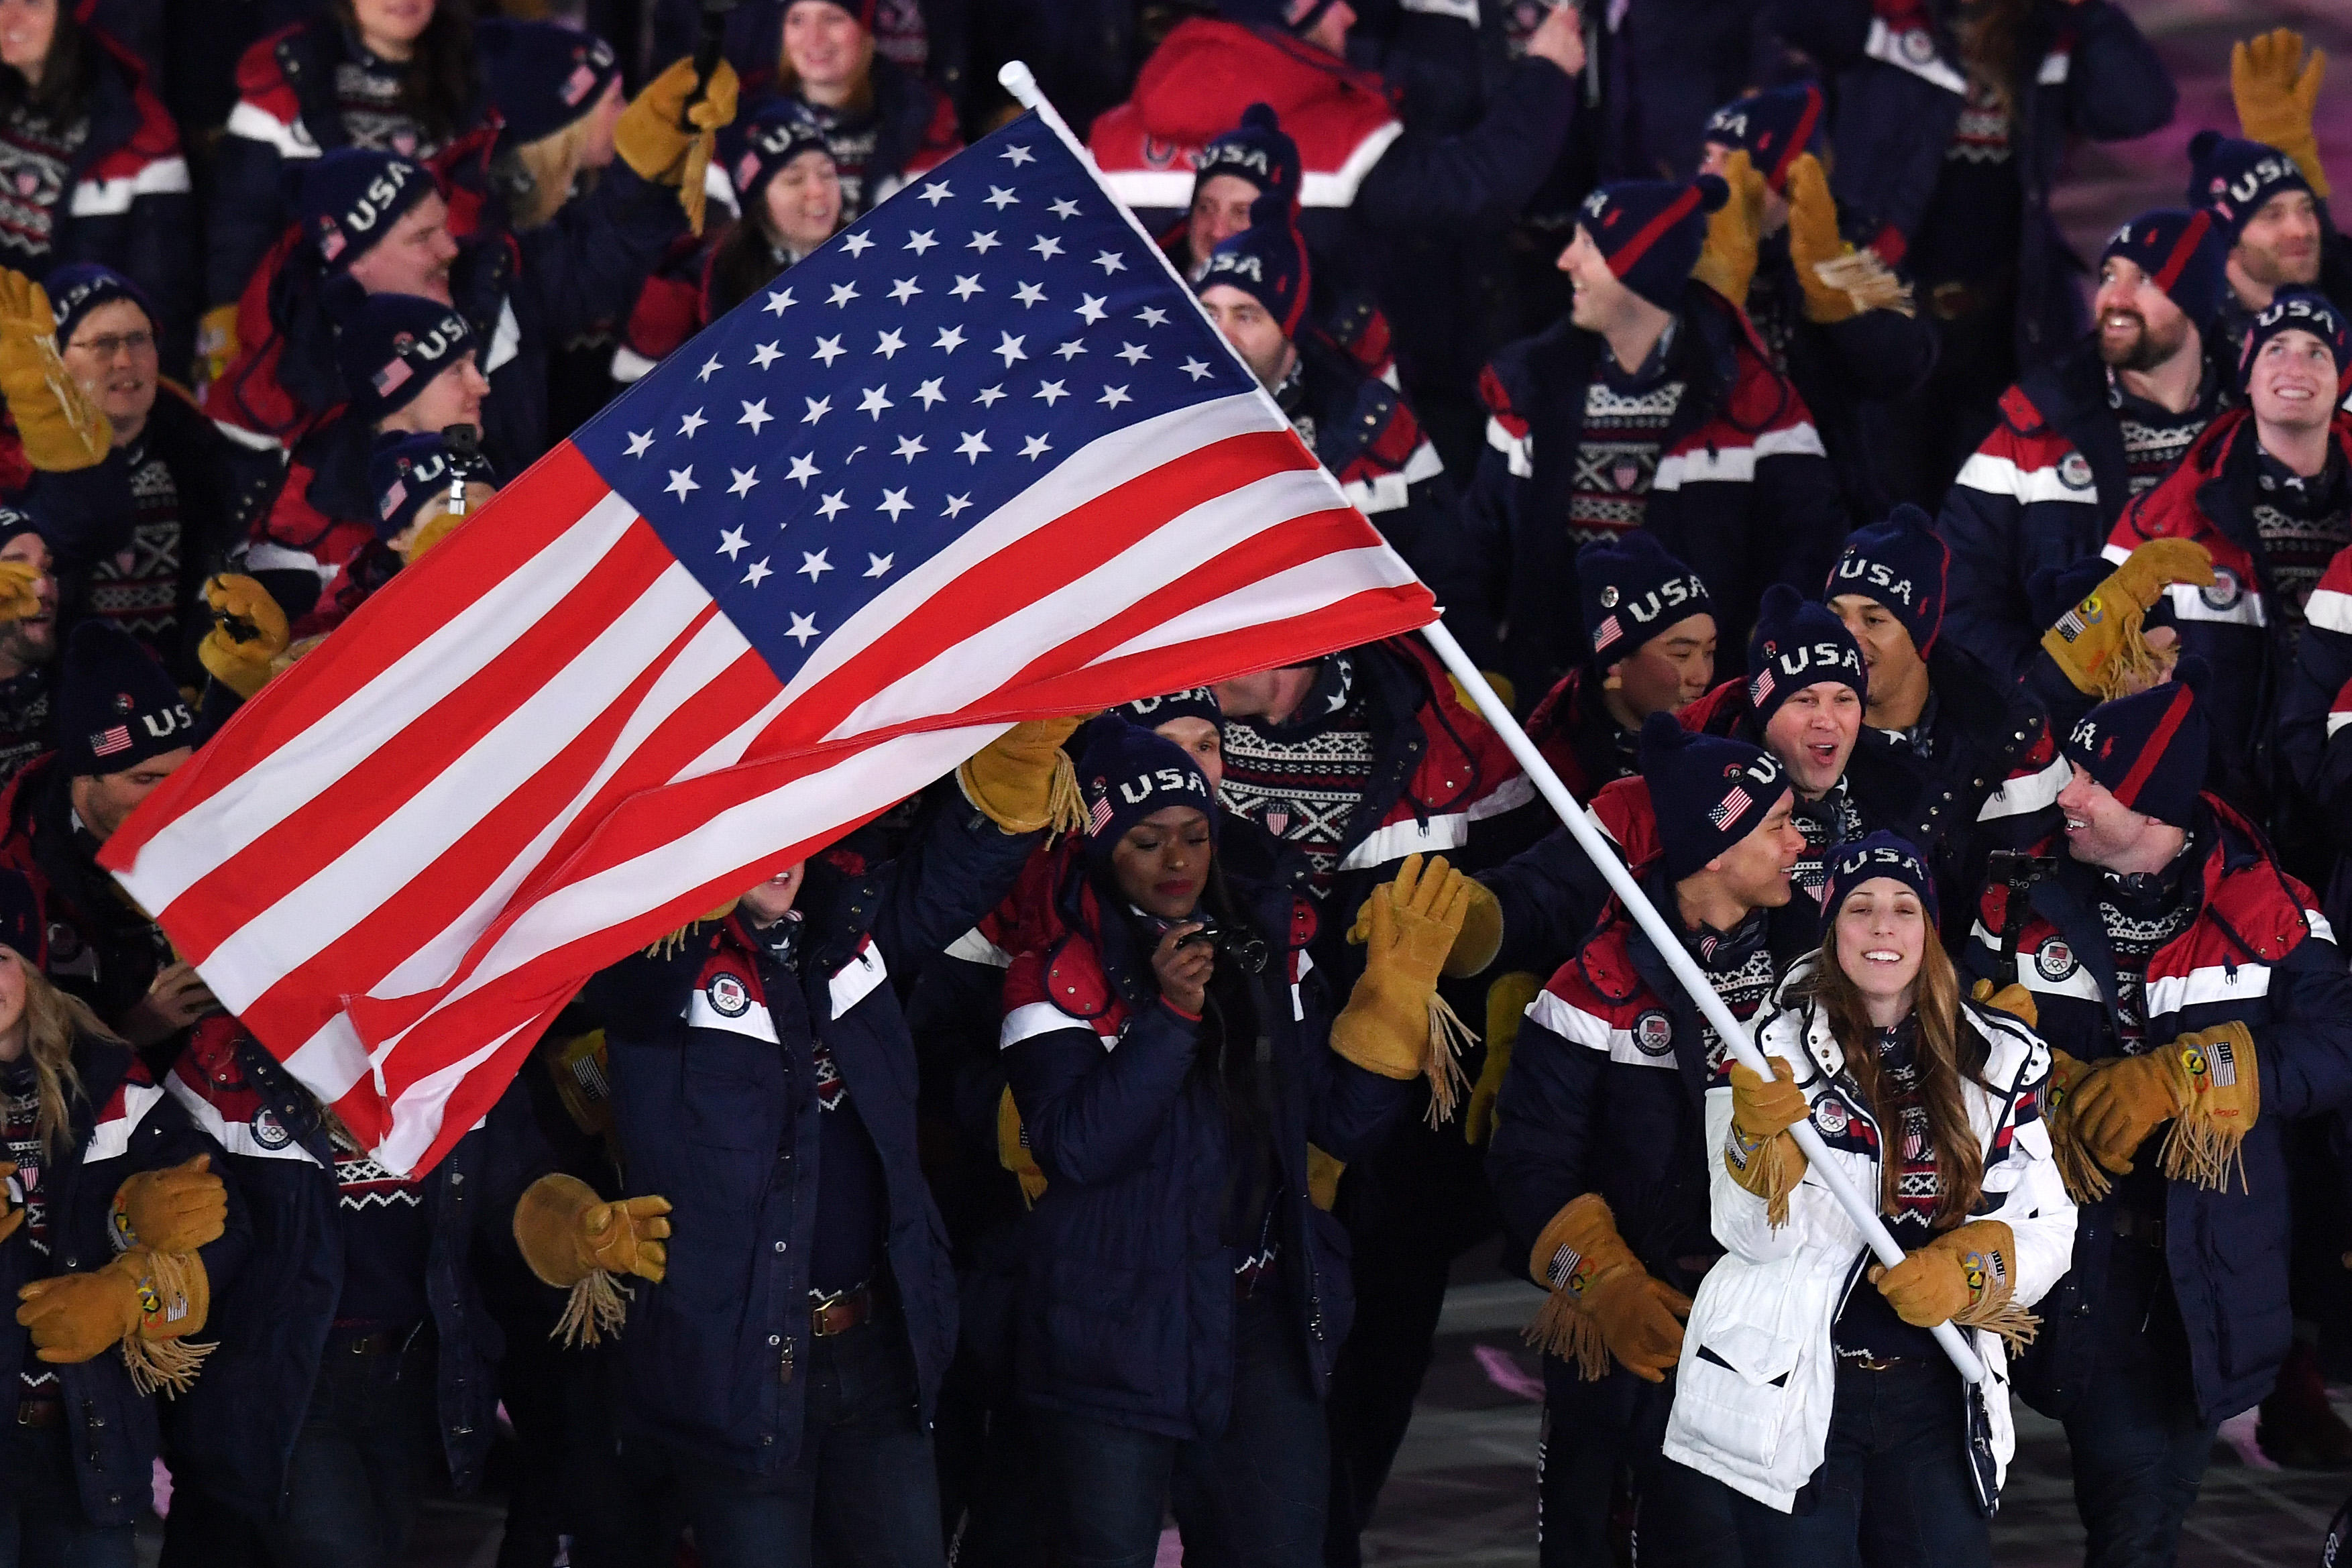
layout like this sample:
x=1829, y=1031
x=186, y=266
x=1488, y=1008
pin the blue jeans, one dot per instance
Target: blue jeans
x=864, y=1493
x=1254, y=1497
x=41, y=1521
x=369, y=1438
x=1593, y=1432
x=2139, y=1449
x=1893, y=1486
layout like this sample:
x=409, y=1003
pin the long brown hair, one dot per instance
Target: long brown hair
x=1988, y=34
x=62, y=95
x=860, y=101
x=439, y=81
x=1949, y=1051
x=53, y=1022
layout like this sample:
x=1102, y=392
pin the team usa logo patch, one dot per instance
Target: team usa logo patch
x=268, y=1131
x=2225, y=592
x=2075, y=471
x=1654, y=1033
x=2055, y=960
x=1830, y=1116
x=730, y=997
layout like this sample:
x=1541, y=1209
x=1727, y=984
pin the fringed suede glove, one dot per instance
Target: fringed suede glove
x=1602, y=1301
x=575, y=1241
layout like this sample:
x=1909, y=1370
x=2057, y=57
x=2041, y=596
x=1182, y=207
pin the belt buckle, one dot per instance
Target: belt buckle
x=1950, y=302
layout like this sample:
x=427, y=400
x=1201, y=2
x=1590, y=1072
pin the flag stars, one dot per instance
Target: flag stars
x=805, y=468
x=878, y=565
x=987, y=396
x=1133, y=353
x=1113, y=396
x=935, y=193
x=766, y=354
x=1018, y=156
x=758, y=571
x=688, y=426
x=710, y=367
x=910, y=448
x=1030, y=294
x=778, y=302
x=905, y=290
x=732, y=544
x=744, y=480
x=966, y=287
x=893, y=502
x=1194, y=369
x=681, y=482
x=831, y=505
x=876, y=399
x=1071, y=349
x=919, y=240
x=842, y=294
x=957, y=504
x=1110, y=261
x=1090, y=307
x=818, y=407
x=984, y=243
x=1047, y=247
x=1052, y=392
x=1009, y=347
x=929, y=392
x=1066, y=208
x=859, y=244
x=755, y=415
x=829, y=350
x=802, y=628
x=888, y=343
x=1035, y=447
x=1153, y=316
x=1000, y=198
x=816, y=566
x=974, y=445
x=638, y=441
x=949, y=340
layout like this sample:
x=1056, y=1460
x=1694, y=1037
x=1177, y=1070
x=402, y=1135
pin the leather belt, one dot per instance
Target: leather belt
x=41, y=1413
x=1865, y=1361
x=841, y=1311
x=380, y=1342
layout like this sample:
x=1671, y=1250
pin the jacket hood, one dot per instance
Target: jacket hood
x=1184, y=89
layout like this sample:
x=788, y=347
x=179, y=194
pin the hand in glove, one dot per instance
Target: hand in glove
x=1023, y=781
x=1013, y=1149
x=73, y=1316
x=2276, y=89
x=217, y=343
x=1603, y=1302
x=1965, y=1276
x=1507, y=1000
x=1757, y=1153
x=20, y=591
x=1727, y=263
x=2098, y=641
x=2013, y=999
x=1395, y=1024
x=178, y=1209
x=250, y=631
x=1472, y=950
x=567, y=1233
x=2208, y=1083
x=647, y=137
x=1641, y=1322
x=61, y=427
x=1761, y=1110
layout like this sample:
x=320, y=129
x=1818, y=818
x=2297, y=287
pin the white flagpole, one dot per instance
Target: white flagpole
x=1017, y=79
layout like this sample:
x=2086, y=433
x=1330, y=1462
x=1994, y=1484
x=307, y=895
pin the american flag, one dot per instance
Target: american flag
x=1730, y=808
x=1609, y=633
x=978, y=459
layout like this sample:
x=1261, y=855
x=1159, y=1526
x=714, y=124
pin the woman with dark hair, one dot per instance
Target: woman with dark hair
x=89, y=162
x=393, y=76
x=1169, y=1059
x=1817, y=1391
x=884, y=125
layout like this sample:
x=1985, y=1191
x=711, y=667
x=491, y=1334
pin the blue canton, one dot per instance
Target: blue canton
x=893, y=389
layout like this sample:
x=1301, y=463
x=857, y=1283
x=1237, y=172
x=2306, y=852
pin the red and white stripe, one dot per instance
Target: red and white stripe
x=543, y=745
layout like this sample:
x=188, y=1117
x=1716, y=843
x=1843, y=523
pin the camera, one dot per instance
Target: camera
x=1245, y=950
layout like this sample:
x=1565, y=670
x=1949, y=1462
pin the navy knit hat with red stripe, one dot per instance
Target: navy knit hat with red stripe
x=117, y=706
x=1773, y=128
x=392, y=347
x=1267, y=261
x=1882, y=854
x=1902, y=563
x=2231, y=178
x=1796, y=644
x=2182, y=252
x=2149, y=750
x=1632, y=589
x=1709, y=792
x=1649, y=231
x=76, y=290
x=542, y=76
x=2294, y=309
x=352, y=197
x=1257, y=150
x=1126, y=772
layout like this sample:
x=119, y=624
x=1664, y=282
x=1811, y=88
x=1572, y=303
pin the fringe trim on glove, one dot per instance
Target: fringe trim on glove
x=598, y=1305
x=2201, y=1152
x=1766, y=1170
x=675, y=943
x=1866, y=281
x=1562, y=1328
x=1996, y=1310
x=1066, y=808
x=1449, y=1037
x=2085, y=1181
x=166, y=1366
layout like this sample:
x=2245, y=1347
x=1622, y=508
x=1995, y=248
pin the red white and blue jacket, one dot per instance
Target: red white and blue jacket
x=2259, y=952
x=2314, y=710
x=1743, y=490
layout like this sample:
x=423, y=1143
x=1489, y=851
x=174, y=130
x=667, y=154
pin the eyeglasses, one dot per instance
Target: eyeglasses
x=107, y=347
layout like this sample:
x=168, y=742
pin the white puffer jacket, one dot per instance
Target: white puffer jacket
x=1758, y=1376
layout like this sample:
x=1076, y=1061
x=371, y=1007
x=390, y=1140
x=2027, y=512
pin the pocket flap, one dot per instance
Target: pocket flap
x=1758, y=1355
